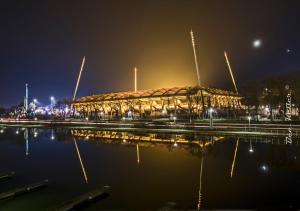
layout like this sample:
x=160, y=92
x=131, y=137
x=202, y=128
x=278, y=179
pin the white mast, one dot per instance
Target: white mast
x=195, y=57
x=135, y=79
x=230, y=71
x=26, y=98
x=78, y=79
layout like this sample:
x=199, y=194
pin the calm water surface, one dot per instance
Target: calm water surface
x=237, y=173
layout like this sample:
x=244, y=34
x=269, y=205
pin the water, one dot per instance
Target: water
x=265, y=174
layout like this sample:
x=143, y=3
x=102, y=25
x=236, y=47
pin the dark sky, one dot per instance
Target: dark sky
x=43, y=42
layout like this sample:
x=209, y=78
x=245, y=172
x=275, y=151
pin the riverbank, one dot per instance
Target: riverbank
x=233, y=128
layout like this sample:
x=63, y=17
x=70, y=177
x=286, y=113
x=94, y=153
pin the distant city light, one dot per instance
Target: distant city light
x=251, y=150
x=124, y=140
x=35, y=100
x=175, y=144
x=52, y=98
x=35, y=134
x=288, y=50
x=52, y=137
x=257, y=43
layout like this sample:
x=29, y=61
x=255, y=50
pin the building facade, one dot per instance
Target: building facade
x=178, y=102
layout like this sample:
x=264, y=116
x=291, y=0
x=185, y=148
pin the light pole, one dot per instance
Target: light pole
x=52, y=102
x=211, y=110
x=249, y=119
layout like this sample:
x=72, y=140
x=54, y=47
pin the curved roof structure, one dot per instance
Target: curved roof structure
x=162, y=92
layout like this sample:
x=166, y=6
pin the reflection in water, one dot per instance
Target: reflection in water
x=234, y=157
x=200, y=183
x=172, y=156
x=35, y=133
x=52, y=135
x=26, y=140
x=251, y=147
x=80, y=160
x=138, y=153
x=144, y=139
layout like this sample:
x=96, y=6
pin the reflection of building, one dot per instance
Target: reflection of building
x=182, y=101
x=145, y=139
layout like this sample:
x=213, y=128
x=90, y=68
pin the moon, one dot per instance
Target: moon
x=257, y=43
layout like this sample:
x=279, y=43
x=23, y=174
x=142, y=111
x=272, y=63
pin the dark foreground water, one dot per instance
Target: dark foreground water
x=237, y=173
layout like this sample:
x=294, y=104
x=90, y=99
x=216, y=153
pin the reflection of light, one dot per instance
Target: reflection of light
x=264, y=168
x=249, y=118
x=35, y=134
x=211, y=110
x=86, y=118
x=52, y=137
x=234, y=157
x=17, y=132
x=251, y=150
x=124, y=140
x=81, y=163
x=175, y=144
x=138, y=154
x=87, y=137
x=35, y=118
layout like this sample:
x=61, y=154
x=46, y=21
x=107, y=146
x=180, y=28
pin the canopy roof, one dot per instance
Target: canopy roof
x=162, y=92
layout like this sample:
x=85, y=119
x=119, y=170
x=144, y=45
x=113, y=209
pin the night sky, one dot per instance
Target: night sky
x=43, y=42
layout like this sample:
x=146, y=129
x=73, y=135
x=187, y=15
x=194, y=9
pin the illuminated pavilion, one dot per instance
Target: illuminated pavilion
x=189, y=101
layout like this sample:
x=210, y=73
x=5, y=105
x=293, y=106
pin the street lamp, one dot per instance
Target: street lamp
x=211, y=110
x=52, y=101
x=249, y=119
x=174, y=118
